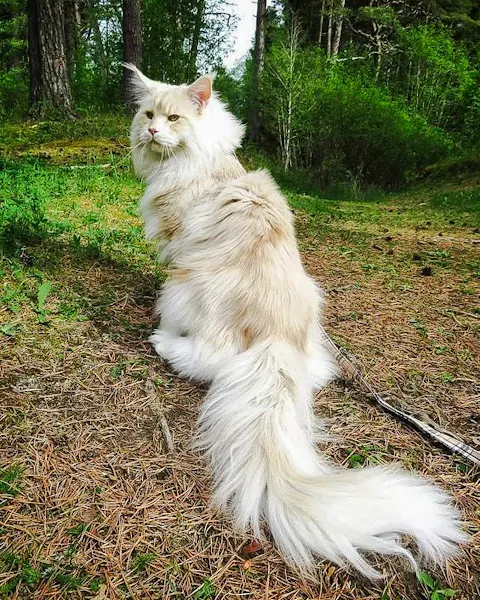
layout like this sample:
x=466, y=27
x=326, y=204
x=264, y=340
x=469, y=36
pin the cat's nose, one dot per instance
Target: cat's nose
x=152, y=130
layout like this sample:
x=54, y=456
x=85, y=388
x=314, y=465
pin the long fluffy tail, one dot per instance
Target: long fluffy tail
x=256, y=428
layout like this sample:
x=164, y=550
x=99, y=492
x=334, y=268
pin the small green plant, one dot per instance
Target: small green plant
x=9, y=478
x=68, y=581
x=120, y=369
x=78, y=529
x=9, y=329
x=12, y=299
x=206, y=590
x=420, y=327
x=142, y=561
x=446, y=377
x=433, y=587
x=370, y=453
x=42, y=294
x=465, y=354
x=26, y=574
x=22, y=211
x=95, y=584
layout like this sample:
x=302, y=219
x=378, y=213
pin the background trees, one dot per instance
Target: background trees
x=50, y=90
x=376, y=89
x=132, y=41
x=366, y=91
x=69, y=52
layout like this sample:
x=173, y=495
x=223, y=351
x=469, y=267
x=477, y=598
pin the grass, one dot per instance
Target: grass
x=93, y=505
x=10, y=481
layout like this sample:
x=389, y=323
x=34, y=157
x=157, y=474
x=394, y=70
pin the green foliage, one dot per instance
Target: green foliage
x=433, y=587
x=29, y=576
x=142, y=561
x=13, y=92
x=43, y=292
x=98, y=74
x=9, y=481
x=13, y=55
x=368, y=454
x=174, y=49
x=22, y=209
x=78, y=529
x=435, y=76
x=343, y=127
x=26, y=574
x=206, y=591
x=179, y=40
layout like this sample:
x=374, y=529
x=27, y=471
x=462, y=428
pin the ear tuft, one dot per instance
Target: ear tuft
x=200, y=91
x=139, y=83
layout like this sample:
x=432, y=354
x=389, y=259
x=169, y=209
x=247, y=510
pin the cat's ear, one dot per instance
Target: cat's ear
x=139, y=83
x=201, y=90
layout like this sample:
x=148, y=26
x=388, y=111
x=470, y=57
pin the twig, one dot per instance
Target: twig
x=157, y=410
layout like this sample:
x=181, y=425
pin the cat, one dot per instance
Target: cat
x=239, y=311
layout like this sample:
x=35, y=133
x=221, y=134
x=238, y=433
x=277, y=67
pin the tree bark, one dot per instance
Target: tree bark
x=132, y=41
x=50, y=90
x=329, y=30
x=192, y=59
x=258, y=61
x=338, y=30
x=322, y=18
x=70, y=36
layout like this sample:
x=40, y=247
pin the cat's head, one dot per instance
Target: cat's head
x=174, y=118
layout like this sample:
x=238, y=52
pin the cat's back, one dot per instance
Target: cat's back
x=244, y=222
x=254, y=201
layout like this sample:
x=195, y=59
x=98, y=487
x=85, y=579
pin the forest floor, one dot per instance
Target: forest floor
x=93, y=504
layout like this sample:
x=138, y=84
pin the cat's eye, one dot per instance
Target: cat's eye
x=149, y=114
x=173, y=117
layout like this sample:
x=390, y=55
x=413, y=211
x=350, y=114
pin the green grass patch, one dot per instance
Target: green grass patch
x=10, y=480
x=206, y=591
x=142, y=561
x=433, y=587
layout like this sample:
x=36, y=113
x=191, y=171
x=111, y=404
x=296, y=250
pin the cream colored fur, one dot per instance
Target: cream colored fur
x=238, y=310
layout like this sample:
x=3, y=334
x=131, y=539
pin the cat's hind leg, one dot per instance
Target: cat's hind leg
x=189, y=356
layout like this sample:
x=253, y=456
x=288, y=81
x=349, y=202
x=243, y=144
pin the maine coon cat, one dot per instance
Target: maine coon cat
x=239, y=311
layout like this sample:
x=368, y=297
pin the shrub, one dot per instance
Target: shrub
x=343, y=128
x=13, y=93
x=23, y=217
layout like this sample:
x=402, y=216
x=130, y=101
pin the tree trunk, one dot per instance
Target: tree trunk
x=99, y=47
x=322, y=18
x=338, y=30
x=70, y=36
x=258, y=60
x=50, y=90
x=329, y=31
x=132, y=41
x=292, y=58
x=192, y=59
x=378, y=41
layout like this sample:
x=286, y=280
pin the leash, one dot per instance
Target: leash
x=447, y=439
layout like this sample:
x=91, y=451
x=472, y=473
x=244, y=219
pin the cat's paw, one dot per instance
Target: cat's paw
x=160, y=340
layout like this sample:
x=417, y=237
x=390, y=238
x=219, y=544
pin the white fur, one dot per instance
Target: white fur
x=239, y=311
